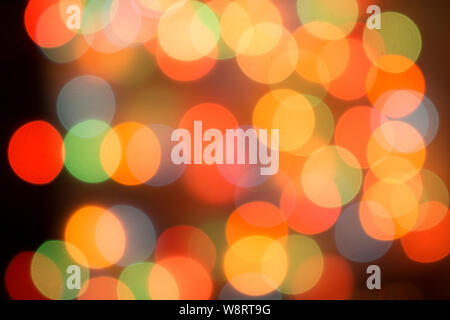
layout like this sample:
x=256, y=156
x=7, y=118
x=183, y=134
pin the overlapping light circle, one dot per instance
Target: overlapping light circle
x=331, y=177
x=51, y=268
x=99, y=234
x=188, y=30
x=256, y=265
x=328, y=19
x=399, y=36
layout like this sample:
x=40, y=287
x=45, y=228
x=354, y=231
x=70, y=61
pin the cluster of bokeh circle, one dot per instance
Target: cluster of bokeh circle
x=361, y=174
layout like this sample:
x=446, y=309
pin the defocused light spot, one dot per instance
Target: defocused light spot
x=350, y=84
x=259, y=39
x=230, y=293
x=167, y=172
x=336, y=283
x=85, y=98
x=49, y=269
x=275, y=65
x=83, y=143
x=99, y=235
x=71, y=51
x=104, y=41
x=425, y=119
x=415, y=183
x=96, y=15
x=181, y=70
x=186, y=241
x=158, y=6
x=429, y=245
x=223, y=51
x=130, y=153
x=126, y=20
x=434, y=201
x=130, y=66
x=289, y=112
x=256, y=265
x=149, y=27
x=305, y=264
x=134, y=277
x=303, y=215
x=193, y=281
x=331, y=177
x=139, y=232
x=143, y=278
x=207, y=184
x=155, y=104
x=188, y=30
x=244, y=175
x=105, y=288
x=360, y=120
x=47, y=277
x=323, y=128
x=162, y=285
x=213, y=116
x=398, y=103
x=341, y=15
x=250, y=26
x=36, y=152
x=269, y=191
x=298, y=83
x=320, y=61
x=353, y=242
x=396, y=151
x=389, y=211
x=399, y=35
x=45, y=25
x=205, y=181
x=256, y=218
x=378, y=81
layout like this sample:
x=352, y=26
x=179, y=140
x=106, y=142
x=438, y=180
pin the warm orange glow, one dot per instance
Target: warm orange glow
x=256, y=218
x=288, y=111
x=358, y=119
x=429, y=245
x=45, y=25
x=378, y=81
x=303, y=215
x=185, y=70
x=320, y=61
x=162, y=285
x=193, y=281
x=389, y=211
x=396, y=151
x=350, y=84
x=186, y=241
x=98, y=234
x=275, y=65
x=130, y=153
x=256, y=265
x=105, y=288
x=336, y=283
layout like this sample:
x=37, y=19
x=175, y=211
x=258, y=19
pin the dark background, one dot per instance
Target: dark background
x=30, y=215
